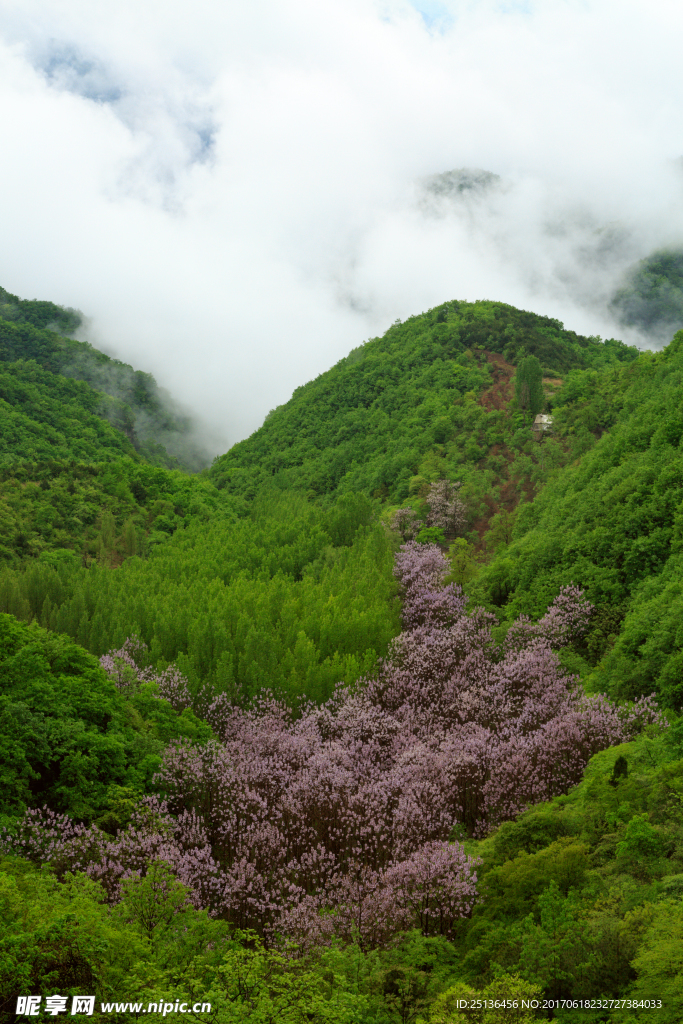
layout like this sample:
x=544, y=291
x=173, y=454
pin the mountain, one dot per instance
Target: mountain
x=246, y=618
x=407, y=405
x=432, y=399
x=42, y=333
x=83, y=462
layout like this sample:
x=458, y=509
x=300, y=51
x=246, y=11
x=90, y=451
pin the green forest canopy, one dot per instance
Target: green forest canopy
x=365, y=423
x=276, y=567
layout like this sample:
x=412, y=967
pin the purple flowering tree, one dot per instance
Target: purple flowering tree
x=336, y=821
x=124, y=668
x=446, y=510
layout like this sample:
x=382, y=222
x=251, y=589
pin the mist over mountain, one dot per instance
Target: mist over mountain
x=151, y=420
x=237, y=198
x=651, y=297
x=645, y=298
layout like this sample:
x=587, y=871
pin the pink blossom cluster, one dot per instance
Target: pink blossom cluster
x=125, y=669
x=48, y=837
x=406, y=522
x=335, y=820
x=445, y=510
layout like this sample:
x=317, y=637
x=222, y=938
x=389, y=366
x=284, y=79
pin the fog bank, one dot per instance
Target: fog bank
x=238, y=194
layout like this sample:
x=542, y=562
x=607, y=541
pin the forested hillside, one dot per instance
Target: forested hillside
x=303, y=737
x=613, y=524
x=44, y=416
x=399, y=403
x=103, y=511
x=35, y=332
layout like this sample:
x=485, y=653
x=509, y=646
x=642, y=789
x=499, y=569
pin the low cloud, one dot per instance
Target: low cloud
x=238, y=194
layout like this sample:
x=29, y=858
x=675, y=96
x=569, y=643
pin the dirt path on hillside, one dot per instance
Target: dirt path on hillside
x=500, y=392
x=497, y=397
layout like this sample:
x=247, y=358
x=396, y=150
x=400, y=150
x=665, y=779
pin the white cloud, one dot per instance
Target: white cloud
x=229, y=190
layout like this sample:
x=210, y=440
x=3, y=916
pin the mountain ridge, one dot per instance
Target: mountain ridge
x=255, y=607
x=132, y=401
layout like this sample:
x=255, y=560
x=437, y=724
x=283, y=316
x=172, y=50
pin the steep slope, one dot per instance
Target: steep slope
x=46, y=416
x=613, y=523
x=428, y=400
x=153, y=423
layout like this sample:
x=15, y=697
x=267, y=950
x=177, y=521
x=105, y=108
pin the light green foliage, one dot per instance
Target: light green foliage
x=61, y=937
x=659, y=962
x=57, y=937
x=500, y=1002
x=267, y=601
x=431, y=535
x=554, y=949
x=155, y=947
x=105, y=512
x=640, y=840
x=152, y=903
x=269, y=986
x=465, y=565
x=501, y=529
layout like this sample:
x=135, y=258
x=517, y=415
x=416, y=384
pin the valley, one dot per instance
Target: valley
x=261, y=746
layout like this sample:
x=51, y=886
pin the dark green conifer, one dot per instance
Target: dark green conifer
x=529, y=386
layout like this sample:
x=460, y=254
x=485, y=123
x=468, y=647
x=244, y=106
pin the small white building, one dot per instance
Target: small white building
x=543, y=423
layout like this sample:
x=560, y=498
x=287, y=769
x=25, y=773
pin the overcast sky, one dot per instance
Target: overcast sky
x=233, y=190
